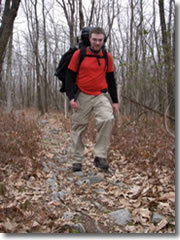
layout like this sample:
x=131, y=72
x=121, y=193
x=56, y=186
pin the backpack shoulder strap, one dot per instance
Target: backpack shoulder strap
x=82, y=55
x=105, y=55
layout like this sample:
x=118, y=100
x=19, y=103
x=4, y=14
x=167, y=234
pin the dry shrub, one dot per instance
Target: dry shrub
x=143, y=141
x=145, y=145
x=19, y=138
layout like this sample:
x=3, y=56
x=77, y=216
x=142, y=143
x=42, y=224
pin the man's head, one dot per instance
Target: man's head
x=96, y=38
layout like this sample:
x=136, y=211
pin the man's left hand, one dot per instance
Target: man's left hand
x=115, y=107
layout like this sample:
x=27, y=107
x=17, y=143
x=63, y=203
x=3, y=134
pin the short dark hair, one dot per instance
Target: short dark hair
x=97, y=30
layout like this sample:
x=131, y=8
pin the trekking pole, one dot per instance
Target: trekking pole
x=65, y=106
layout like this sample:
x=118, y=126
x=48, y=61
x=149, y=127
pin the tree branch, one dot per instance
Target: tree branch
x=147, y=107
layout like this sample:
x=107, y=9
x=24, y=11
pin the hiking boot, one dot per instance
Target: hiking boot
x=76, y=167
x=101, y=163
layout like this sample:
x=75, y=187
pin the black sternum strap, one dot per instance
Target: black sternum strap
x=96, y=56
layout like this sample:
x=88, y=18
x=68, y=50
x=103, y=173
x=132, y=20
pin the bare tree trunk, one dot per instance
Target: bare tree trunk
x=168, y=72
x=92, y=11
x=81, y=15
x=158, y=65
x=21, y=88
x=69, y=12
x=45, y=58
x=0, y=6
x=9, y=76
x=40, y=106
x=131, y=47
x=6, y=28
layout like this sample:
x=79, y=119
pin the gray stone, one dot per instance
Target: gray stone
x=90, y=180
x=55, y=196
x=52, y=165
x=61, y=169
x=53, y=131
x=43, y=122
x=79, y=227
x=156, y=218
x=68, y=215
x=96, y=179
x=99, y=206
x=100, y=190
x=52, y=182
x=70, y=179
x=83, y=181
x=61, y=195
x=46, y=169
x=121, y=217
x=78, y=173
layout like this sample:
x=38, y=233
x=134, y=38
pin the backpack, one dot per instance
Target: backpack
x=62, y=67
x=61, y=70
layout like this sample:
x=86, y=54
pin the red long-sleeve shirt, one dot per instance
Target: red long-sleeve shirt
x=91, y=77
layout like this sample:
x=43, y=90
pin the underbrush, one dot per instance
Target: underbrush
x=148, y=145
x=19, y=140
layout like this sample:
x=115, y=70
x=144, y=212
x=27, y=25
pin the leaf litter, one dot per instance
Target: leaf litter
x=142, y=180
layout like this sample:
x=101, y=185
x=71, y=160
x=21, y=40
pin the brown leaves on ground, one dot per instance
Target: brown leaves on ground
x=142, y=178
x=19, y=140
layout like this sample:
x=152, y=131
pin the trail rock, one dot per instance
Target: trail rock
x=61, y=195
x=156, y=218
x=52, y=182
x=78, y=173
x=79, y=227
x=46, y=169
x=90, y=179
x=99, y=206
x=96, y=178
x=44, y=122
x=100, y=190
x=54, y=131
x=121, y=217
x=55, y=196
x=82, y=181
x=68, y=215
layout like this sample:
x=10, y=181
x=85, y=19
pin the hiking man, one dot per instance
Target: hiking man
x=87, y=89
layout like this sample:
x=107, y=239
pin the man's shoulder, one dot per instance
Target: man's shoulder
x=76, y=53
x=109, y=54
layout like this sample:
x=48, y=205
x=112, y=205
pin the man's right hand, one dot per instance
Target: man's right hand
x=74, y=104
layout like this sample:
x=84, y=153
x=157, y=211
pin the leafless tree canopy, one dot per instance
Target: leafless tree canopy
x=141, y=38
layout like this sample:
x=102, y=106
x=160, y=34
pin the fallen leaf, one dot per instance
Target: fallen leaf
x=168, y=196
x=161, y=225
x=49, y=155
x=35, y=224
x=8, y=226
x=134, y=192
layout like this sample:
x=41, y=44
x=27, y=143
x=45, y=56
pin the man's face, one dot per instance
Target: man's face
x=96, y=41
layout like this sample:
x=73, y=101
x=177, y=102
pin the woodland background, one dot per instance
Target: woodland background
x=141, y=37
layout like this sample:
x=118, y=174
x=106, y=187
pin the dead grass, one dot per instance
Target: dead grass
x=19, y=139
x=147, y=143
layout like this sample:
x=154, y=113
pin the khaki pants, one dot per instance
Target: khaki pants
x=101, y=107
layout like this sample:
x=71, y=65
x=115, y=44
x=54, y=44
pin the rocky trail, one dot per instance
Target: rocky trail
x=83, y=195
x=52, y=199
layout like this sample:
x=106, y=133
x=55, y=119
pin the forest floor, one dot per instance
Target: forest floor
x=40, y=194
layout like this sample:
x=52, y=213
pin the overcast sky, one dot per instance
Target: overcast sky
x=20, y=22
